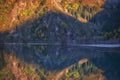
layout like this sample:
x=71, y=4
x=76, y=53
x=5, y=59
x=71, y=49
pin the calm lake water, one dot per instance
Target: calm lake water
x=56, y=57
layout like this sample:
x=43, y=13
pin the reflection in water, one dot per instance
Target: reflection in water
x=56, y=58
x=1, y=54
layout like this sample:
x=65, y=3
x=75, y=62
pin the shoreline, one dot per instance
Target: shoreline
x=79, y=45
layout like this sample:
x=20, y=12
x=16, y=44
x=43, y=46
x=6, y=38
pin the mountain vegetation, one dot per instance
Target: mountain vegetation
x=56, y=21
x=52, y=20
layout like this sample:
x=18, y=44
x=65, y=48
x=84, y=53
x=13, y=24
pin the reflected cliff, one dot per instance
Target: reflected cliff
x=56, y=58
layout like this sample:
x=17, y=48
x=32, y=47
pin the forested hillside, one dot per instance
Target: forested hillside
x=56, y=22
x=51, y=21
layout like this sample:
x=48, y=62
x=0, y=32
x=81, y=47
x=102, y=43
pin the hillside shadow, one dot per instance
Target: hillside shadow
x=27, y=45
x=58, y=57
x=108, y=19
x=55, y=27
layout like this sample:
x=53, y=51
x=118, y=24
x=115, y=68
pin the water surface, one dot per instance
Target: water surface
x=57, y=57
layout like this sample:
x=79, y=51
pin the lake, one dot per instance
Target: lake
x=55, y=58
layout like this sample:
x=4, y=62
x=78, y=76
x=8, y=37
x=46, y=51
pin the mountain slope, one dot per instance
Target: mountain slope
x=54, y=20
x=15, y=12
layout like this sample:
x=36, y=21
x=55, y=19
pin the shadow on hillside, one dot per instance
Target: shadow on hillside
x=56, y=58
x=109, y=17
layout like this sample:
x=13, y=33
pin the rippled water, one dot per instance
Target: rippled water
x=56, y=57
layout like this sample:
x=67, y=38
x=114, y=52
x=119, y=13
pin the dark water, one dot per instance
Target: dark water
x=56, y=58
